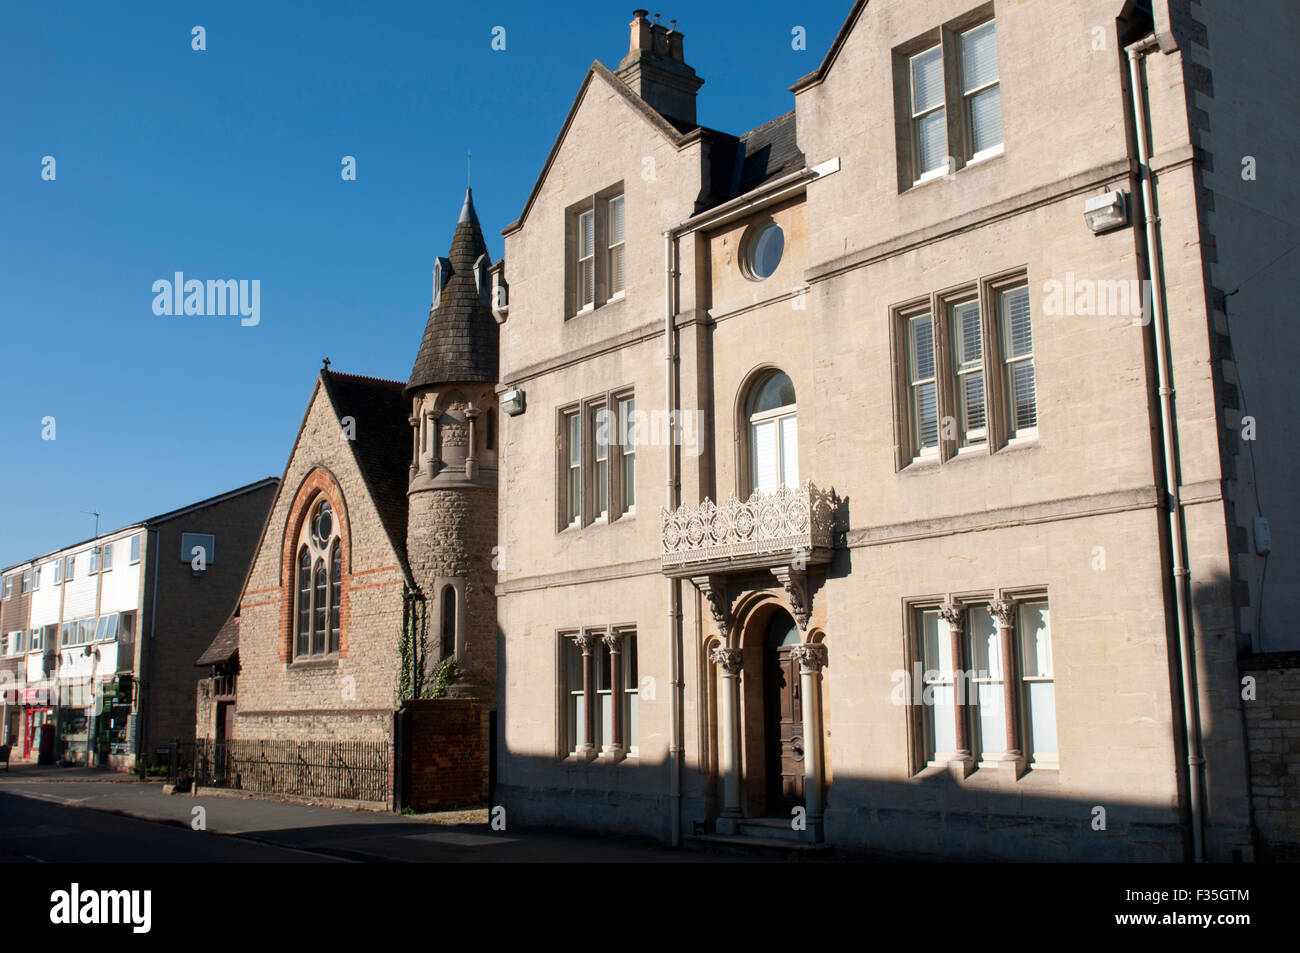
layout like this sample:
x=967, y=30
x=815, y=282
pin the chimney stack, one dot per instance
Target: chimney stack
x=655, y=69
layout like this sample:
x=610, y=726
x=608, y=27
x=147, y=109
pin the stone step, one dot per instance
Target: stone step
x=769, y=847
x=774, y=828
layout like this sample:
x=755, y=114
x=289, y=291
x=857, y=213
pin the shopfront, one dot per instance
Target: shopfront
x=38, y=726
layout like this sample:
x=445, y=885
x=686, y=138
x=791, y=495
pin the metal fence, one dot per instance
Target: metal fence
x=351, y=770
x=179, y=759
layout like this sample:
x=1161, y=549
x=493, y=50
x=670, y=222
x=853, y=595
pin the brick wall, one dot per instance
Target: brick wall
x=446, y=750
x=334, y=697
x=1273, y=733
x=191, y=608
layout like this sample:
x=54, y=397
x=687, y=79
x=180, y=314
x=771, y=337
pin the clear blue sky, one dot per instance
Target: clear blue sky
x=225, y=164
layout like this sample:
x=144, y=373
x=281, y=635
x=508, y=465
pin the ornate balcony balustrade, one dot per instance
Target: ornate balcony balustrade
x=792, y=524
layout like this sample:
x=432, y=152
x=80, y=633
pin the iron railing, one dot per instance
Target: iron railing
x=346, y=770
x=179, y=757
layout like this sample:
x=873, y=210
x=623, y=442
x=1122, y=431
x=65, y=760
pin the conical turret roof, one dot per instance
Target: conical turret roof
x=461, y=340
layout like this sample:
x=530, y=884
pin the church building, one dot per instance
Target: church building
x=372, y=585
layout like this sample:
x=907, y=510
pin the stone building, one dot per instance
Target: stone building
x=104, y=631
x=373, y=580
x=882, y=476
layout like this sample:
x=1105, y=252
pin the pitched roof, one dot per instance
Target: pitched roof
x=761, y=155
x=224, y=646
x=381, y=445
x=461, y=340
x=833, y=53
x=674, y=131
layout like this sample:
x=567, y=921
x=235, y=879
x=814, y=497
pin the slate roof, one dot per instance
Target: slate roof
x=224, y=646
x=770, y=151
x=381, y=446
x=461, y=341
x=735, y=164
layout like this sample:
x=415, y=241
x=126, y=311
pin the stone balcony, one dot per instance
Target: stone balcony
x=792, y=524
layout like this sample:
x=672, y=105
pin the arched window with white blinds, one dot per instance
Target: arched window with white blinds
x=773, y=433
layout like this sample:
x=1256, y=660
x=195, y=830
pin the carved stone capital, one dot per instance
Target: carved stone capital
x=614, y=640
x=413, y=420
x=714, y=590
x=1003, y=612
x=811, y=656
x=795, y=583
x=731, y=661
x=587, y=642
x=954, y=614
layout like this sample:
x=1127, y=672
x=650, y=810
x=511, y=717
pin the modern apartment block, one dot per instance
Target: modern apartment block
x=884, y=476
x=100, y=636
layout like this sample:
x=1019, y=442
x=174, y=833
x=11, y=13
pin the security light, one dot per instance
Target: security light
x=512, y=402
x=1106, y=212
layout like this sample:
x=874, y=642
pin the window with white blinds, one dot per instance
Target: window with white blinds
x=929, y=114
x=923, y=402
x=615, y=230
x=938, y=722
x=627, y=437
x=968, y=366
x=968, y=380
x=1018, y=361
x=773, y=434
x=985, y=693
x=970, y=691
x=572, y=432
x=1039, y=686
x=586, y=259
x=980, y=91
x=595, y=250
x=596, y=460
x=949, y=80
x=600, y=469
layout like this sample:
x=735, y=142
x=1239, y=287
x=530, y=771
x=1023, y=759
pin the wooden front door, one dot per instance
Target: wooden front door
x=225, y=722
x=783, y=711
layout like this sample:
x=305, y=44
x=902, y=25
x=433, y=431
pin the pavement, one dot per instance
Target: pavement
x=84, y=814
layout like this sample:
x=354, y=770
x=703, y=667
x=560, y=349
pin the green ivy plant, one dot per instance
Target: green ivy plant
x=443, y=676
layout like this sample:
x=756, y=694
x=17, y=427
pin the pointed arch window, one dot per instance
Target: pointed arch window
x=302, y=646
x=319, y=588
x=773, y=433
x=336, y=591
x=448, y=630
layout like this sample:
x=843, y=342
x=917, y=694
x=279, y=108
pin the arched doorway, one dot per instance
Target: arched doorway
x=783, y=746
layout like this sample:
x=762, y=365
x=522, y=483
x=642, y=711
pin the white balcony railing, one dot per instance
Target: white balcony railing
x=766, y=530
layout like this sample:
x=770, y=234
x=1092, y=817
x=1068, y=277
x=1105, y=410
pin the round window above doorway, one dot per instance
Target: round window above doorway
x=763, y=251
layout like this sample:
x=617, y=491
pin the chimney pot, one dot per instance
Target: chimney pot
x=655, y=68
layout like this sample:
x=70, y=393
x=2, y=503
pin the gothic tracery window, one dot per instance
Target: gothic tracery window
x=319, y=585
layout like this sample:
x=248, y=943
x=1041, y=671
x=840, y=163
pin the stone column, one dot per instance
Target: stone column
x=730, y=663
x=962, y=761
x=617, y=749
x=1004, y=617
x=811, y=657
x=435, y=440
x=471, y=457
x=587, y=642
x=415, y=444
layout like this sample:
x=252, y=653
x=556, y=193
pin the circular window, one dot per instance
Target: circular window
x=323, y=526
x=763, y=255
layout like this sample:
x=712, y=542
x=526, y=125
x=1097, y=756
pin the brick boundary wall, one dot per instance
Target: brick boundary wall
x=1273, y=736
x=445, y=746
